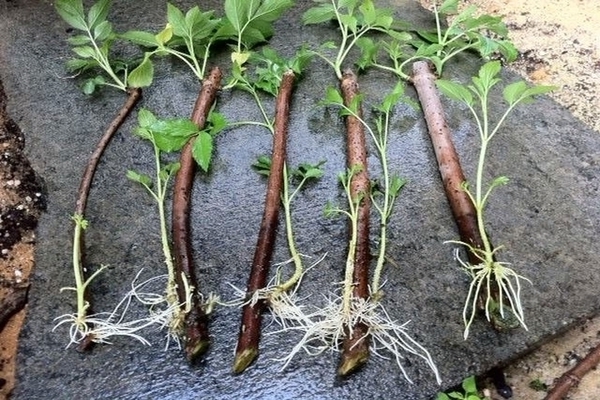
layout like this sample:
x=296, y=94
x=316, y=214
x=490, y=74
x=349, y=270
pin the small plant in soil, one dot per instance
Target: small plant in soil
x=93, y=48
x=489, y=272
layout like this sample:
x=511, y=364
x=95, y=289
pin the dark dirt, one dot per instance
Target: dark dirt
x=21, y=202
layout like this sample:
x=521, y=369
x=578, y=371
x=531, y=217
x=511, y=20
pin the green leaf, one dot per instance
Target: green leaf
x=98, y=13
x=442, y=396
x=319, y=14
x=89, y=86
x=448, y=7
x=263, y=165
x=146, y=118
x=367, y=9
x=142, y=179
x=176, y=20
x=217, y=122
x=469, y=385
x=202, y=150
x=333, y=97
x=488, y=72
x=142, y=75
x=455, y=91
x=514, y=91
x=102, y=31
x=79, y=40
x=396, y=185
x=141, y=38
x=77, y=64
x=368, y=52
x=165, y=35
x=85, y=51
x=178, y=127
x=168, y=171
x=72, y=12
x=392, y=98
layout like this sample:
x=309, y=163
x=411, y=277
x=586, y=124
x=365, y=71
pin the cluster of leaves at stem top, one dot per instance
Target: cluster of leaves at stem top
x=187, y=36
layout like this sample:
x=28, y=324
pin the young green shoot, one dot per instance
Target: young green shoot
x=483, y=34
x=93, y=48
x=489, y=272
x=168, y=136
x=189, y=37
x=355, y=18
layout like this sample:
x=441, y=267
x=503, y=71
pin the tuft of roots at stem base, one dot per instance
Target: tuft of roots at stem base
x=326, y=327
x=104, y=327
x=484, y=276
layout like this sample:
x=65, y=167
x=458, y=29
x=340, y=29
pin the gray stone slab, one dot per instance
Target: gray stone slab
x=547, y=218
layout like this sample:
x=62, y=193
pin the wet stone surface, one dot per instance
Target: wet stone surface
x=546, y=217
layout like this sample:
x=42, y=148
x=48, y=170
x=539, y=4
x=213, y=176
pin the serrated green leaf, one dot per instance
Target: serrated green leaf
x=77, y=64
x=392, y=98
x=79, y=40
x=454, y=91
x=202, y=150
x=396, y=184
x=168, y=171
x=143, y=133
x=448, y=7
x=177, y=21
x=165, y=35
x=139, y=178
x=142, y=75
x=102, y=31
x=98, y=13
x=367, y=10
x=168, y=143
x=141, y=38
x=178, y=127
x=469, y=385
x=333, y=96
x=146, y=118
x=368, y=52
x=400, y=36
x=72, y=12
x=319, y=14
x=537, y=90
x=514, y=91
x=488, y=72
x=89, y=86
x=217, y=122
x=442, y=396
x=350, y=22
x=85, y=51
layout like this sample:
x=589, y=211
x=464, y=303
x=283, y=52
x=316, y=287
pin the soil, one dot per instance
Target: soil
x=559, y=43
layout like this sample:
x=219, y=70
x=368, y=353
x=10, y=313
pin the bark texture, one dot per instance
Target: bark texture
x=355, y=348
x=249, y=337
x=196, y=330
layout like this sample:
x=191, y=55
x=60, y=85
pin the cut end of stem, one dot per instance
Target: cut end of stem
x=86, y=344
x=195, y=350
x=244, y=359
x=353, y=362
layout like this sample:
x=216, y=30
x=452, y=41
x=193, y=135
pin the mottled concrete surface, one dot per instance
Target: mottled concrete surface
x=546, y=217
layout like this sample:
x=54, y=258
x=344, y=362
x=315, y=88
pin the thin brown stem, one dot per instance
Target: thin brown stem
x=463, y=209
x=248, y=341
x=196, y=331
x=572, y=377
x=133, y=97
x=355, y=348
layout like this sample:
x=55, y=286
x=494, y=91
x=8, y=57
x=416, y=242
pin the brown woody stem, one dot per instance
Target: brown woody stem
x=463, y=209
x=572, y=377
x=249, y=337
x=355, y=348
x=196, y=331
x=133, y=97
